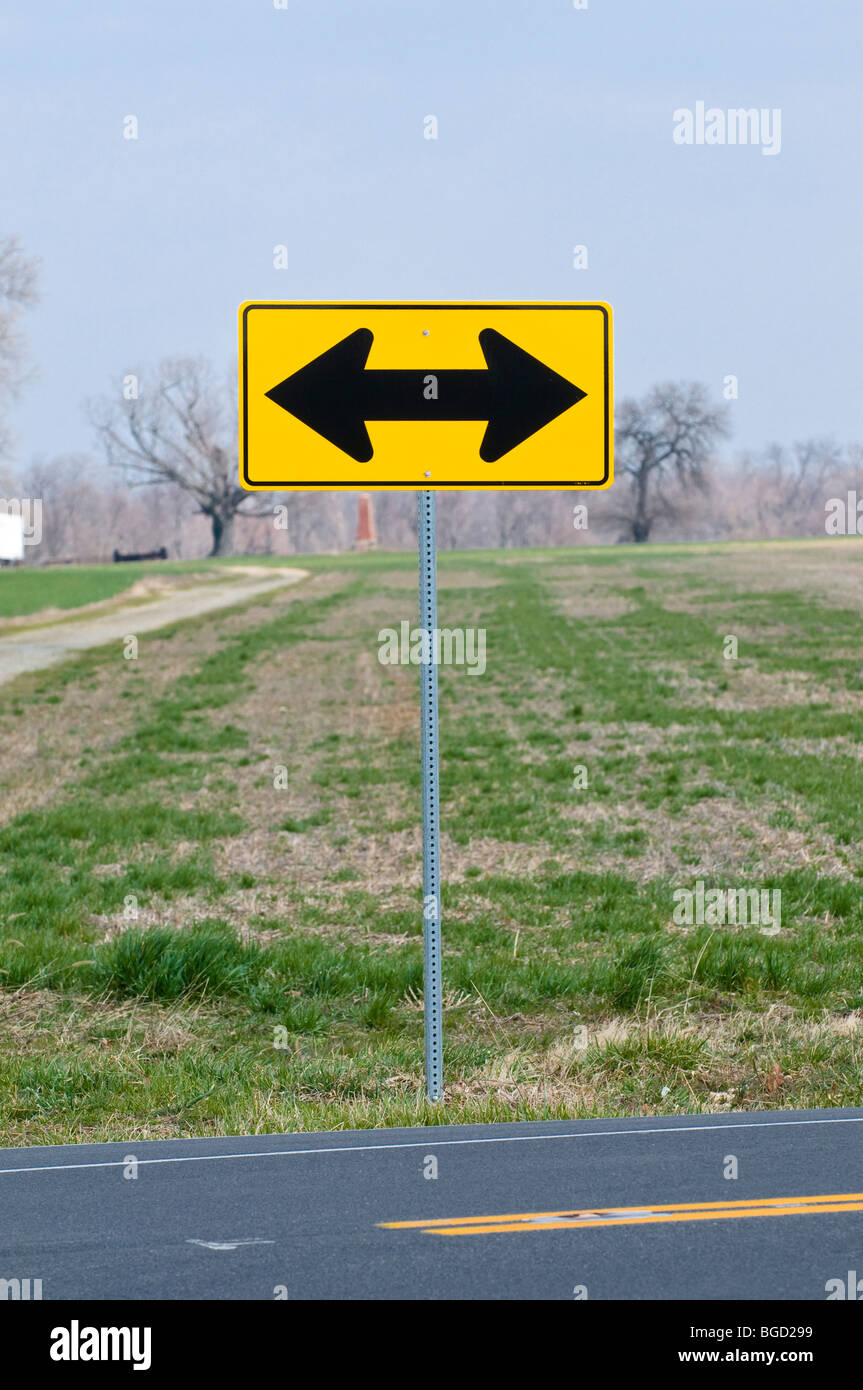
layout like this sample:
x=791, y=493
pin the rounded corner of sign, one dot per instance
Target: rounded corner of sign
x=246, y=482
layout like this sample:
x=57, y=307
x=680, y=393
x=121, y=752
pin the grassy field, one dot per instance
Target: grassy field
x=60, y=588
x=189, y=946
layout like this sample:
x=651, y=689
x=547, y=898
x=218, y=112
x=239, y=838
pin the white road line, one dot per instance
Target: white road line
x=437, y=1143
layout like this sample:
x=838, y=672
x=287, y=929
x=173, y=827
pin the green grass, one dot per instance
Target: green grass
x=219, y=954
x=164, y=964
x=25, y=591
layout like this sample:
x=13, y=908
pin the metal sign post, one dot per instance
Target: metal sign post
x=431, y=814
x=521, y=395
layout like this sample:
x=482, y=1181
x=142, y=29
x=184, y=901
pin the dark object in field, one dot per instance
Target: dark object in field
x=150, y=555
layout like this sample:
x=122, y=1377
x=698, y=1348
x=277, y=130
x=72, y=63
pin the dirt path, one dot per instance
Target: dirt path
x=37, y=647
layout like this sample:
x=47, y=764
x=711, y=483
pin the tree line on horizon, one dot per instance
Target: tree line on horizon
x=165, y=475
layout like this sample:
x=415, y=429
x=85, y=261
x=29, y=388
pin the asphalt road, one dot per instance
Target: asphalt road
x=305, y=1216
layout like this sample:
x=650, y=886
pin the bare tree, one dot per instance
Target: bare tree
x=183, y=431
x=790, y=486
x=87, y=511
x=668, y=436
x=18, y=275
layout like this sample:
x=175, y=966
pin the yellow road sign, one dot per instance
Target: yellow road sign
x=446, y=395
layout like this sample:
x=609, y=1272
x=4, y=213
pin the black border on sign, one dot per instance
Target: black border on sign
x=390, y=486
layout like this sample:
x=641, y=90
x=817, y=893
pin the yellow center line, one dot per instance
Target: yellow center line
x=620, y=1216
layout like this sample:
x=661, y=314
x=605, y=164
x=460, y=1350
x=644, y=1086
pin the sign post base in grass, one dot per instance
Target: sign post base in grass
x=431, y=812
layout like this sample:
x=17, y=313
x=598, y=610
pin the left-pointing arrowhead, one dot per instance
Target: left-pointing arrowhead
x=525, y=395
x=328, y=395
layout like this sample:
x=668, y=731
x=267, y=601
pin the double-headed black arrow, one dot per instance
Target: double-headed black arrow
x=335, y=395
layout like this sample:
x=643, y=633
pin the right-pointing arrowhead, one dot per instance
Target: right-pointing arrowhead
x=327, y=395
x=525, y=395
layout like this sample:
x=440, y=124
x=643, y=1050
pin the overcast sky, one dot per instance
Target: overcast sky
x=304, y=127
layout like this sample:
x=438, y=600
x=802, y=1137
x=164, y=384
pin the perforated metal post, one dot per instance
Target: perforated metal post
x=431, y=814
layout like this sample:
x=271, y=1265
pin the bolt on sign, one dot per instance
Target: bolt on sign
x=407, y=396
